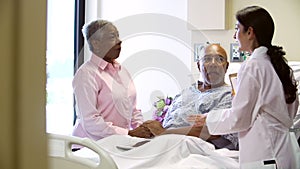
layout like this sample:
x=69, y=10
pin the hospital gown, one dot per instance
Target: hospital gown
x=192, y=101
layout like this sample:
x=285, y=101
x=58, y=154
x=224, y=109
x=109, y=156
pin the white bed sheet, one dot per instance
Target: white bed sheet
x=166, y=151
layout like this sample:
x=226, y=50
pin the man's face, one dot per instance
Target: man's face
x=213, y=65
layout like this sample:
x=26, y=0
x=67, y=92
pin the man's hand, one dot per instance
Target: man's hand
x=197, y=120
x=155, y=127
x=140, y=131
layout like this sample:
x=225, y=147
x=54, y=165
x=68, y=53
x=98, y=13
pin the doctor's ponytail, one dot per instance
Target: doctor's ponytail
x=284, y=72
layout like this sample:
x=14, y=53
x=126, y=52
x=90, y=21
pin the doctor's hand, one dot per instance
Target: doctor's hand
x=155, y=127
x=197, y=120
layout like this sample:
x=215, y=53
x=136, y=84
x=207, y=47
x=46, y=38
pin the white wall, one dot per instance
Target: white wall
x=156, y=30
x=156, y=45
x=286, y=17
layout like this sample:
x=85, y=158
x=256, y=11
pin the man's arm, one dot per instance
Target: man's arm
x=197, y=131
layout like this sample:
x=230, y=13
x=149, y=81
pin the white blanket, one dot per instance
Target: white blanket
x=166, y=151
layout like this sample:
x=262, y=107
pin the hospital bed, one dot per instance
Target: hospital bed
x=119, y=151
x=166, y=151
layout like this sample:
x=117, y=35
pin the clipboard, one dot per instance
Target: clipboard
x=233, y=82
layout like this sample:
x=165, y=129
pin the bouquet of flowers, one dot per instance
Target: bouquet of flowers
x=161, y=106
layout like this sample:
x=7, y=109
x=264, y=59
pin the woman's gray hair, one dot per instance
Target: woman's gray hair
x=92, y=30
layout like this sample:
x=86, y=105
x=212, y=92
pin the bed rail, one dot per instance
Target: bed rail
x=61, y=156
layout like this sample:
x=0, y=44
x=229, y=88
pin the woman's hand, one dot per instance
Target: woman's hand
x=197, y=120
x=141, y=131
x=155, y=127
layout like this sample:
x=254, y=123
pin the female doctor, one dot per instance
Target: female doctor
x=266, y=98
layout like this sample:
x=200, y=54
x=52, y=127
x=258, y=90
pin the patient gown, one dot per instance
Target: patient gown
x=192, y=101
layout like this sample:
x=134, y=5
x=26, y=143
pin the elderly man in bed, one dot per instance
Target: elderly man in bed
x=212, y=93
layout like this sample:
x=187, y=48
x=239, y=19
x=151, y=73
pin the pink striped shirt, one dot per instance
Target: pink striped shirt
x=106, y=100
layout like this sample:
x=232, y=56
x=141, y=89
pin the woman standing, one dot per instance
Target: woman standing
x=266, y=98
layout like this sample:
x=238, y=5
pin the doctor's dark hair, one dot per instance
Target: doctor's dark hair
x=263, y=27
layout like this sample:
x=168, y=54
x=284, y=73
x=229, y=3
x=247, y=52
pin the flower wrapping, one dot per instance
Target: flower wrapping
x=161, y=108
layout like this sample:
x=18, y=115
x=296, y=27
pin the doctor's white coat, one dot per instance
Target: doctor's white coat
x=260, y=115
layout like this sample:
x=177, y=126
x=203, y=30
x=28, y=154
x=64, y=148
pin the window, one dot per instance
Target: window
x=60, y=66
